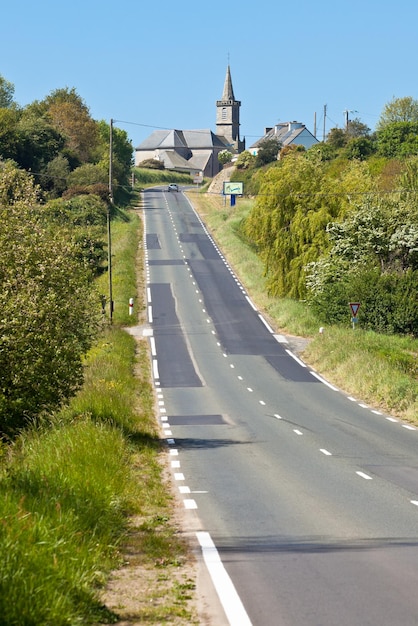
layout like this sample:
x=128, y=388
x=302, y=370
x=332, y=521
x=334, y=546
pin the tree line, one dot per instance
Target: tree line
x=54, y=204
x=334, y=225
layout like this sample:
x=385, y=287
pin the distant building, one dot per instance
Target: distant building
x=196, y=151
x=289, y=134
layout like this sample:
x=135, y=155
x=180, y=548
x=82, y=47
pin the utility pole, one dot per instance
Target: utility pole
x=109, y=239
x=314, y=125
x=346, y=112
x=325, y=117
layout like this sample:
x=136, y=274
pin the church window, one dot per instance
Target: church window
x=224, y=116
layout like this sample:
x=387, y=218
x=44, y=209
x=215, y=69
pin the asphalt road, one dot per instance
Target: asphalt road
x=310, y=497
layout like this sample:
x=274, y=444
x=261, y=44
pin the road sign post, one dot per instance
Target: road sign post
x=354, y=306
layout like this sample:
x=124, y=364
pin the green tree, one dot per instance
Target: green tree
x=359, y=148
x=287, y=225
x=7, y=91
x=38, y=143
x=356, y=128
x=398, y=110
x=267, y=152
x=9, y=136
x=225, y=156
x=337, y=138
x=245, y=160
x=47, y=308
x=398, y=139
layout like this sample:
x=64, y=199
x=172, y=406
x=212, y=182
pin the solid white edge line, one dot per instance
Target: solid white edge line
x=153, y=349
x=269, y=328
x=250, y=302
x=301, y=363
x=150, y=314
x=155, y=368
x=230, y=600
x=325, y=382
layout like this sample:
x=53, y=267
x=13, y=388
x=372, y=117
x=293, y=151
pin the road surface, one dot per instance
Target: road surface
x=307, y=499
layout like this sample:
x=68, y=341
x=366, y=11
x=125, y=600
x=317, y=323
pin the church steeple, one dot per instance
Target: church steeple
x=227, y=116
x=228, y=93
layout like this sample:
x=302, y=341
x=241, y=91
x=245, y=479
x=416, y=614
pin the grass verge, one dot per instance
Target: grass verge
x=84, y=497
x=380, y=369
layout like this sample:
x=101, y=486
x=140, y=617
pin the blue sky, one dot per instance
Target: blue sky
x=162, y=64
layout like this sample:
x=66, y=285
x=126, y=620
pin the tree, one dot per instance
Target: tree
x=7, y=90
x=398, y=139
x=337, y=138
x=70, y=116
x=359, y=148
x=245, y=160
x=287, y=224
x=356, y=128
x=267, y=152
x=9, y=136
x=38, y=143
x=398, y=110
x=47, y=307
x=224, y=157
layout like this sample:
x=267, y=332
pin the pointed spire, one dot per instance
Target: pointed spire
x=228, y=93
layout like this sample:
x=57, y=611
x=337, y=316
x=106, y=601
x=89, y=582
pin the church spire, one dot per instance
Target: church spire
x=227, y=116
x=228, y=92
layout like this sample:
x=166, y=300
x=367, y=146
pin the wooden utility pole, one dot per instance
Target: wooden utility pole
x=325, y=117
x=109, y=239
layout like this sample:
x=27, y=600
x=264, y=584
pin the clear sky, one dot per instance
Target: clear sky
x=162, y=64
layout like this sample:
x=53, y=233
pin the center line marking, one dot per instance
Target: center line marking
x=298, y=432
x=325, y=452
x=363, y=475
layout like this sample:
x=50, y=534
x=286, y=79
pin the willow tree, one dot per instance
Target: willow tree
x=296, y=201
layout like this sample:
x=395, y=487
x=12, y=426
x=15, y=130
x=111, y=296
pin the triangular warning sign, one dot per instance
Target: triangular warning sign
x=354, y=306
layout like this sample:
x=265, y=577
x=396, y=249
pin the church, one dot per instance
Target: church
x=196, y=151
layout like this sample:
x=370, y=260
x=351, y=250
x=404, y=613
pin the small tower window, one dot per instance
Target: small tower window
x=224, y=115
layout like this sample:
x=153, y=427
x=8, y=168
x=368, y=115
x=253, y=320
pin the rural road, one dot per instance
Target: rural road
x=307, y=499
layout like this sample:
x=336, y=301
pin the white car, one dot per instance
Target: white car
x=173, y=187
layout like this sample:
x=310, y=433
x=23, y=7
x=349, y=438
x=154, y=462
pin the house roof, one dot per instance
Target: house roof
x=285, y=132
x=172, y=139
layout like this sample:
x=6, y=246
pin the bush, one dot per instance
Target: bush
x=48, y=316
x=152, y=164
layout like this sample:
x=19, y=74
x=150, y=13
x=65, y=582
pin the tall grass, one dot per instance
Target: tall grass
x=63, y=506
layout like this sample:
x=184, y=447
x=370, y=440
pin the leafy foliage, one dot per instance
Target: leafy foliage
x=373, y=259
x=297, y=199
x=398, y=110
x=7, y=90
x=268, y=152
x=225, y=156
x=47, y=308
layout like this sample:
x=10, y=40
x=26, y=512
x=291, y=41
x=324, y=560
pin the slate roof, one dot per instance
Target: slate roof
x=285, y=132
x=172, y=139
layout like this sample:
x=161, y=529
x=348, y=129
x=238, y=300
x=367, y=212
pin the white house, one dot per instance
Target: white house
x=288, y=134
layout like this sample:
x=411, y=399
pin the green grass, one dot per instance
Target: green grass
x=126, y=236
x=379, y=369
